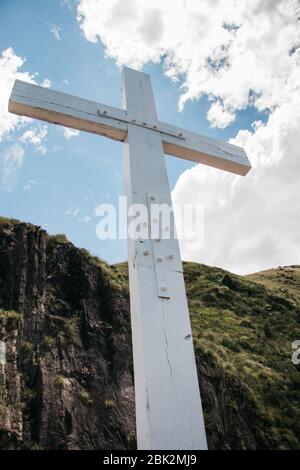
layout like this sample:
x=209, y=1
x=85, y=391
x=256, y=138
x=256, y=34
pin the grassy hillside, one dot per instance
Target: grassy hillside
x=285, y=279
x=246, y=326
x=243, y=329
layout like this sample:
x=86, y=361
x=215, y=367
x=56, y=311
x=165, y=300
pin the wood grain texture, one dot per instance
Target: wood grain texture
x=67, y=110
x=89, y=116
x=168, y=405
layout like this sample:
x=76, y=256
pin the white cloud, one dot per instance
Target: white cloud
x=218, y=116
x=10, y=163
x=225, y=49
x=78, y=215
x=11, y=159
x=237, y=54
x=10, y=65
x=73, y=212
x=46, y=83
x=36, y=136
x=69, y=133
x=251, y=223
x=56, y=31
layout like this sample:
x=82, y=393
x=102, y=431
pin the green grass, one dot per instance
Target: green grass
x=71, y=327
x=113, y=273
x=109, y=403
x=283, y=279
x=10, y=317
x=60, y=238
x=85, y=397
x=26, y=348
x=48, y=343
x=59, y=380
x=245, y=326
x=6, y=221
x=248, y=329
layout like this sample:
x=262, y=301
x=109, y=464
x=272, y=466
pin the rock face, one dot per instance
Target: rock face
x=68, y=378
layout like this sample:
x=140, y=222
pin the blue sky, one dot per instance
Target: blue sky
x=79, y=173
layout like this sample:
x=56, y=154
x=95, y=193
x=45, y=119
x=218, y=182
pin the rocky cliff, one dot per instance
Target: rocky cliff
x=67, y=382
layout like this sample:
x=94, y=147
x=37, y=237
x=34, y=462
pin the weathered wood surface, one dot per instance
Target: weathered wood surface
x=168, y=406
x=70, y=111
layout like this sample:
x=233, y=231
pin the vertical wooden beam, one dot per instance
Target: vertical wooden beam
x=168, y=405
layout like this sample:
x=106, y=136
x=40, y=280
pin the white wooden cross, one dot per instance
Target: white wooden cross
x=168, y=405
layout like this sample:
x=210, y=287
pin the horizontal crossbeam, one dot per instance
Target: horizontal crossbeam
x=70, y=111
